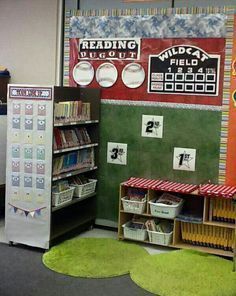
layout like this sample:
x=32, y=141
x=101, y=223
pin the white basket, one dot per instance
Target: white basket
x=85, y=189
x=165, y=211
x=160, y=238
x=134, y=233
x=62, y=197
x=133, y=206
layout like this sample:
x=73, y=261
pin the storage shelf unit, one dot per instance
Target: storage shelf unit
x=79, y=212
x=44, y=151
x=221, y=240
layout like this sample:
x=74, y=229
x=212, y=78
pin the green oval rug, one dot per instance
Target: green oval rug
x=93, y=257
x=185, y=273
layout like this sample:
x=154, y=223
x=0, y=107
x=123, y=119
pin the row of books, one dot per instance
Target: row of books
x=157, y=225
x=60, y=186
x=207, y=236
x=73, y=161
x=136, y=194
x=71, y=111
x=65, y=138
x=222, y=210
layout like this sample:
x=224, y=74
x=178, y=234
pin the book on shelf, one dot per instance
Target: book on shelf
x=70, y=111
x=136, y=194
x=207, y=236
x=222, y=210
x=70, y=137
x=73, y=161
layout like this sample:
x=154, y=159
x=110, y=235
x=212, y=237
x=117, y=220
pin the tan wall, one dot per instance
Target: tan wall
x=28, y=37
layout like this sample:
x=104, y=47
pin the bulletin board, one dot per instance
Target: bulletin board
x=182, y=59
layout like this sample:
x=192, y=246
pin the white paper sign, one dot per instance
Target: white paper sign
x=152, y=126
x=117, y=153
x=184, y=159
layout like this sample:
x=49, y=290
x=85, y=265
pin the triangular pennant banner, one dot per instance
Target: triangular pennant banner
x=15, y=209
x=26, y=213
x=38, y=211
x=32, y=214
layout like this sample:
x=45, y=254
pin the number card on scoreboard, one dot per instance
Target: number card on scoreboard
x=184, y=69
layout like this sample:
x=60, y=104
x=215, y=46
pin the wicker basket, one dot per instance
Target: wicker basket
x=85, y=189
x=134, y=233
x=165, y=211
x=131, y=206
x=62, y=197
x=160, y=238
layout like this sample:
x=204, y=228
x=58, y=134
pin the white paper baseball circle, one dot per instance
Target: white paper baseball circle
x=83, y=73
x=133, y=75
x=106, y=74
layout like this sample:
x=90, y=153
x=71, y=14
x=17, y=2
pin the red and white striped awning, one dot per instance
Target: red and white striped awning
x=177, y=187
x=160, y=185
x=142, y=183
x=223, y=191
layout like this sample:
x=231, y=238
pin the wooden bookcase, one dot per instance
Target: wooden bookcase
x=203, y=234
x=31, y=217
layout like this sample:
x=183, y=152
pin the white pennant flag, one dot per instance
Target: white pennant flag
x=32, y=214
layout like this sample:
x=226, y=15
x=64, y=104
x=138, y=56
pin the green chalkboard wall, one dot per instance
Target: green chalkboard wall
x=152, y=157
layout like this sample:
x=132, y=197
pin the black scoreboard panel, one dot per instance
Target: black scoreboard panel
x=184, y=70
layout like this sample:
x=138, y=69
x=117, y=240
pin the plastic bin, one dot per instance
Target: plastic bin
x=162, y=210
x=133, y=206
x=59, y=198
x=85, y=189
x=160, y=238
x=134, y=233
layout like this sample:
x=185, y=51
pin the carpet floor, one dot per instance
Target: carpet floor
x=22, y=273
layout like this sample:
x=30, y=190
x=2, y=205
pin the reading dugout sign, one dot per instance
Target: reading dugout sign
x=184, y=69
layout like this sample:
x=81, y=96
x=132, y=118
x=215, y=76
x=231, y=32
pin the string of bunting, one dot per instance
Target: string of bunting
x=220, y=191
x=21, y=211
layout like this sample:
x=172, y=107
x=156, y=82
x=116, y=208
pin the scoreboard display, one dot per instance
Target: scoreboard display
x=185, y=70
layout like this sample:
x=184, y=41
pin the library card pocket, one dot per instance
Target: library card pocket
x=28, y=138
x=28, y=123
x=41, y=124
x=40, y=183
x=28, y=152
x=15, y=181
x=40, y=139
x=15, y=137
x=15, y=151
x=42, y=109
x=40, y=153
x=28, y=109
x=16, y=108
x=16, y=122
x=28, y=181
x=28, y=167
x=15, y=166
x=40, y=168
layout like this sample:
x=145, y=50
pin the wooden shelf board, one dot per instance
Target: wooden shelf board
x=121, y=237
x=73, y=201
x=204, y=249
x=73, y=173
x=75, y=122
x=220, y=224
x=75, y=148
x=144, y=214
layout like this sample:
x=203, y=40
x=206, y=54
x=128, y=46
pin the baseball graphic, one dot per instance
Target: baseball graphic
x=133, y=75
x=106, y=74
x=83, y=73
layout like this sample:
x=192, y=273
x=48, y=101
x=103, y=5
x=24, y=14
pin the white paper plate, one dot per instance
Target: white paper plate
x=83, y=73
x=133, y=75
x=106, y=75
